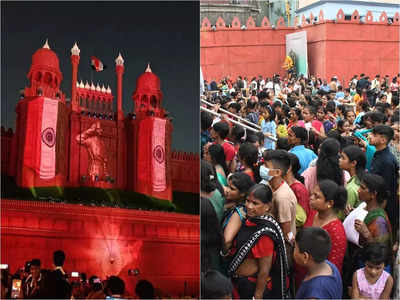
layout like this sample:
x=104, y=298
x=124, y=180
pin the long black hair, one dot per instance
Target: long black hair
x=209, y=182
x=328, y=162
x=249, y=154
x=211, y=234
x=217, y=154
x=295, y=167
x=354, y=153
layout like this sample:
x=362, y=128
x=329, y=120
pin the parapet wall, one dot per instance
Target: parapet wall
x=185, y=168
x=164, y=247
x=335, y=47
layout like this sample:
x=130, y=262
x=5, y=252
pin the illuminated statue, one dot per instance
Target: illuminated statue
x=91, y=139
x=290, y=64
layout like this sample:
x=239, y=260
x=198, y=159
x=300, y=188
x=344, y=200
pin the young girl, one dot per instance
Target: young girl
x=372, y=281
x=268, y=126
x=344, y=127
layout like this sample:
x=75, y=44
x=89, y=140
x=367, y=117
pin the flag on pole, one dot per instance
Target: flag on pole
x=97, y=64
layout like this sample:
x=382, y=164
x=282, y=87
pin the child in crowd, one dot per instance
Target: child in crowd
x=372, y=281
x=297, y=138
x=276, y=164
x=268, y=126
x=323, y=279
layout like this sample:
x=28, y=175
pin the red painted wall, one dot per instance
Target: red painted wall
x=163, y=246
x=185, y=172
x=344, y=48
x=233, y=52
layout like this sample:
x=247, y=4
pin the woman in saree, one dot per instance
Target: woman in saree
x=259, y=268
x=376, y=225
x=374, y=228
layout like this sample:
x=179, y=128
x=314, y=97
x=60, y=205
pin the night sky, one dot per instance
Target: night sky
x=166, y=34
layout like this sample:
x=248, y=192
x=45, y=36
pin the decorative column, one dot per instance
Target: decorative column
x=75, y=62
x=119, y=68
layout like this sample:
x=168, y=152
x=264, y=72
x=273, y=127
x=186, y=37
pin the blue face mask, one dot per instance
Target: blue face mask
x=264, y=173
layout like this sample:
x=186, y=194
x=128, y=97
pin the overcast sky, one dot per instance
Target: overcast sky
x=166, y=34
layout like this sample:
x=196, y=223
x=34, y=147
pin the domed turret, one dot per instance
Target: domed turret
x=45, y=70
x=147, y=95
x=148, y=82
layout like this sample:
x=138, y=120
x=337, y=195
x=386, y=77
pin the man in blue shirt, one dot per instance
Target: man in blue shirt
x=340, y=93
x=325, y=87
x=297, y=137
x=384, y=164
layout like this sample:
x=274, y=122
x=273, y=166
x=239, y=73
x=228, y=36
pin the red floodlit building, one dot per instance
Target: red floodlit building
x=85, y=143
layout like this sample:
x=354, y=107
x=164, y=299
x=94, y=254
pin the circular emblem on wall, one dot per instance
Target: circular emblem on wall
x=49, y=137
x=158, y=154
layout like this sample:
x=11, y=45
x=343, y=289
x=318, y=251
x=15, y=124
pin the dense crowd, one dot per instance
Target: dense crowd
x=300, y=188
x=35, y=282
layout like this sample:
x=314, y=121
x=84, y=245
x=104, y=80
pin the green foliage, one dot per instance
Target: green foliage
x=187, y=203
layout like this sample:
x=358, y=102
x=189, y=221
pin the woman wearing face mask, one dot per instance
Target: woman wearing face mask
x=260, y=269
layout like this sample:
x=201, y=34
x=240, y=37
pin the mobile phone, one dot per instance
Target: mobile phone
x=74, y=274
x=3, y=266
x=16, y=288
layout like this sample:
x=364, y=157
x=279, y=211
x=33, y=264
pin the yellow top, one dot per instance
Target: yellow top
x=288, y=63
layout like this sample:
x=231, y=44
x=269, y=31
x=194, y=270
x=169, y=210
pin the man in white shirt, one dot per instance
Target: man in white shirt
x=261, y=82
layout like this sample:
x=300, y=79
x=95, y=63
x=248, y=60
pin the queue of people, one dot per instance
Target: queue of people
x=300, y=188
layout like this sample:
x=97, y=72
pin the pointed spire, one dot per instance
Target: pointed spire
x=98, y=87
x=92, y=87
x=77, y=84
x=103, y=89
x=87, y=86
x=148, y=68
x=119, y=61
x=108, y=90
x=46, y=45
x=81, y=85
x=75, y=50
